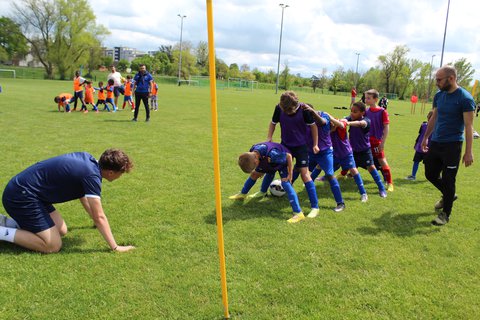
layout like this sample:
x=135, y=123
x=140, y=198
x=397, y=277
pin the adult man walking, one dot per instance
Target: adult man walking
x=142, y=88
x=453, y=112
x=117, y=83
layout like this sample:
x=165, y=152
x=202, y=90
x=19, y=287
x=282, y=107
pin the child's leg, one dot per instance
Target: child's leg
x=292, y=197
x=415, y=168
x=310, y=187
x=386, y=170
x=376, y=178
x=358, y=180
x=335, y=187
x=315, y=173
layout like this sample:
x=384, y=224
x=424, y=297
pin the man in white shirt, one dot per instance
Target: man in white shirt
x=117, y=83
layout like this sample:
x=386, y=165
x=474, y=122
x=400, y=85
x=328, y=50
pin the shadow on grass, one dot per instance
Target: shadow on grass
x=118, y=120
x=271, y=207
x=401, y=225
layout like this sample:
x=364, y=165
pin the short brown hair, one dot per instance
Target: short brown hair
x=246, y=161
x=372, y=92
x=115, y=160
x=288, y=101
x=360, y=105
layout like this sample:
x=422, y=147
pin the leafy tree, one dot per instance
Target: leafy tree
x=201, y=52
x=148, y=61
x=465, y=72
x=233, y=71
x=12, y=42
x=392, y=63
x=189, y=61
x=122, y=65
x=106, y=61
x=285, y=81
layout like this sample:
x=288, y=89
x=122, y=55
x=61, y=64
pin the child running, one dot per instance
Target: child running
x=101, y=96
x=89, y=99
x=110, y=92
x=359, y=135
x=127, y=97
x=293, y=122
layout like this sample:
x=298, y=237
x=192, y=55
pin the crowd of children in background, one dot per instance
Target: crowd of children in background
x=84, y=91
x=318, y=142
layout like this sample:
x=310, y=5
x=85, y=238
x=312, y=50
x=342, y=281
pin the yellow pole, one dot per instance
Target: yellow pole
x=216, y=157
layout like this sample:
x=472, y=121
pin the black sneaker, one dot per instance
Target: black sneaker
x=147, y=120
x=439, y=204
x=441, y=220
x=134, y=119
x=340, y=207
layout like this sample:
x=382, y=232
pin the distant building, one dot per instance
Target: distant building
x=122, y=53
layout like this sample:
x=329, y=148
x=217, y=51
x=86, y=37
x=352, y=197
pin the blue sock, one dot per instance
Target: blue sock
x=377, y=179
x=335, y=187
x=315, y=173
x=312, y=194
x=248, y=185
x=415, y=168
x=295, y=176
x=267, y=180
x=292, y=196
x=359, y=182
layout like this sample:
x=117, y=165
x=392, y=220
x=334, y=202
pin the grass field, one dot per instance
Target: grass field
x=376, y=260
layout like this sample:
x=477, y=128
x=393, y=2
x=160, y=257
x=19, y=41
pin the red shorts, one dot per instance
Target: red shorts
x=376, y=153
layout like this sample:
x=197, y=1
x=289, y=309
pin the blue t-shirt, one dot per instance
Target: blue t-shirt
x=142, y=82
x=449, y=126
x=62, y=178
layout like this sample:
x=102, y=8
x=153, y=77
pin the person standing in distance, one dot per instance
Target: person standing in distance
x=28, y=198
x=142, y=87
x=453, y=113
x=117, y=83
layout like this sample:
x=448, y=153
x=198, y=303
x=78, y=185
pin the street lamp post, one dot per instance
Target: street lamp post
x=444, y=34
x=280, y=46
x=356, y=70
x=180, y=59
x=430, y=79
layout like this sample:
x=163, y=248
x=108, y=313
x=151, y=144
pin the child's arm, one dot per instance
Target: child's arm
x=428, y=132
x=315, y=114
x=334, y=121
x=289, y=169
x=357, y=123
x=314, y=130
x=386, y=128
x=271, y=130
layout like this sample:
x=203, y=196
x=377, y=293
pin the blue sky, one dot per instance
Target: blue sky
x=316, y=34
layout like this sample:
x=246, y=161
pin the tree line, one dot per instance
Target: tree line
x=63, y=35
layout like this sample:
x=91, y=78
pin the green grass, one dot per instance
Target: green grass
x=376, y=260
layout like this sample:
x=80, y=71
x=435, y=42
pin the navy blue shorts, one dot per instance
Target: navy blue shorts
x=30, y=213
x=118, y=90
x=363, y=159
x=300, y=153
x=419, y=156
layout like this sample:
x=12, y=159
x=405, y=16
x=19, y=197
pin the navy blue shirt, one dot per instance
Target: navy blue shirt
x=62, y=178
x=449, y=126
x=142, y=82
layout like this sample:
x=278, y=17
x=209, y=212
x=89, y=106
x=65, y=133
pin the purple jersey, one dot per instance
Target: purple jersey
x=421, y=134
x=378, y=118
x=341, y=144
x=324, y=141
x=294, y=127
x=273, y=156
x=359, y=137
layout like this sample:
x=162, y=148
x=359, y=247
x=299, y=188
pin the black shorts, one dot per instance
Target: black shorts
x=300, y=153
x=118, y=90
x=363, y=159
x=419, y=156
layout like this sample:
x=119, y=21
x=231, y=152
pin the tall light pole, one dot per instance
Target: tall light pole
x=356, y=70
x=280, y=45
x=445, y=34
x=430, y=79
x=180, y=59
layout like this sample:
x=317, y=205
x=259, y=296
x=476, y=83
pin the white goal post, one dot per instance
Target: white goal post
x=9, y=70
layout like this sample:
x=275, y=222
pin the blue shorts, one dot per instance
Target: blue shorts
x=28, y=211
x=346, y=163
x=118, y=90
x=300, y=153
x=364, y=159
x=127, y=98
x=324, y=159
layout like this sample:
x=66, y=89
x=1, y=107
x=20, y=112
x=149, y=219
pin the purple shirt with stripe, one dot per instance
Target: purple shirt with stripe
x=359, y=137
x=294, y=127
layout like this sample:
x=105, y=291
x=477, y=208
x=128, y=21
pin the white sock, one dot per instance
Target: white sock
x=7, y=234
x=8, y=222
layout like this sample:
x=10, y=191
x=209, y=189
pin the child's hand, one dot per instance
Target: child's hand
x=316, y=149
x=307, y=107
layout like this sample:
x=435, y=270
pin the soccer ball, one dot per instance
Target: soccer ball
x=276, y=188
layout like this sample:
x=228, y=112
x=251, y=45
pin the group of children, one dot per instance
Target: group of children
x=317, y=142
x=105, y=95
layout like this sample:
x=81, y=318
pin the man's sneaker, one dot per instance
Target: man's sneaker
x=313, y=213
x=296, y=218
x=390, y=187
x=410, y=177
x=441, y=219
x=383, y=194
x=340, y=207
x=258, y=194
x=134, y=119
x=238, y=196
x=364, y=197
x=439, y=204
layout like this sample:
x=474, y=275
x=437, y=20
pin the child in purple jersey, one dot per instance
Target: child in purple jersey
x=419, y=153
x=343, y=155
x=360, y=142
x=324, y=158
x=264, y=160
x=293, y=122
